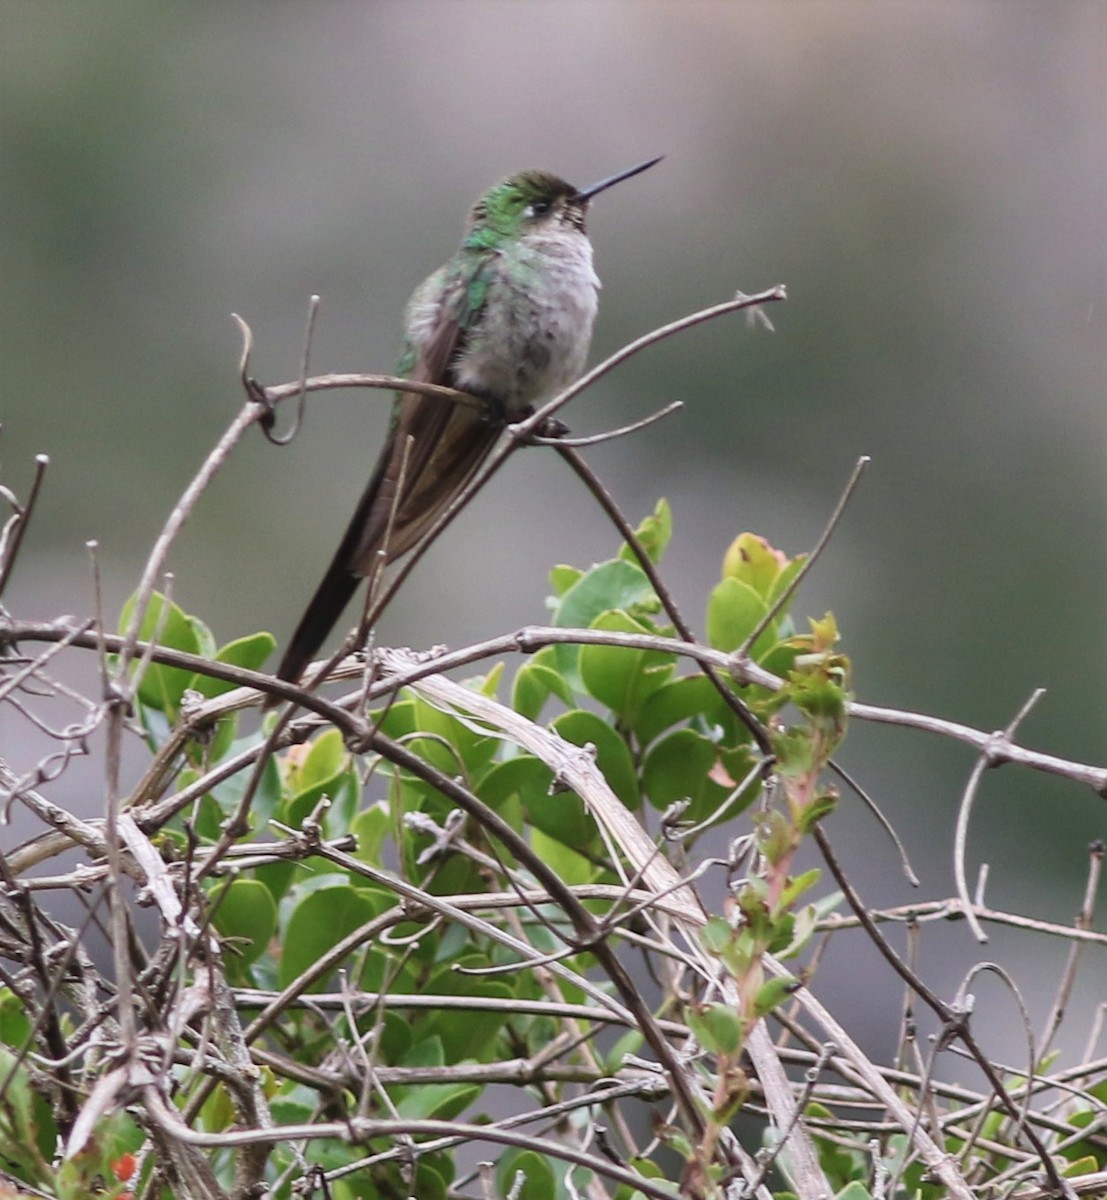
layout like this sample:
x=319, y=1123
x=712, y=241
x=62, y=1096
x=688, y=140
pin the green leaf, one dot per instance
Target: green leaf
x=397, y=721
x=612, y=756
x=562, y=817
x=618, y=676
x=451, y=745
x=371, y=827
x=717, y=935
x=443, y=1101
x=320, y=921
x=613, y=584
x=214, y=748
x=229, y=793
x=323, y=761
x=247, y=913
x=679, y=767
x=539, y=1181
x=523, y=778
x=653, y=533
x=250, y=652
x=536, y=681
x=489, y=683
x=558, y=853
x=468, y=1034
x=717, y=1027
x=563, y=577
x=26, y=1120
x=798, y=885
x=772, y=993
x=823, y=804
x=525, y=781
x=784, y=580
x=734, y=610
x=630, y=1043
x=854, y=1191
x=15, y=1024
x=690, y=697
x=341, y=790
x=326, y=770
x=161, y=688
x=751, y=559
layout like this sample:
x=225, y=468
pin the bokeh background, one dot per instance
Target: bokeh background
x=928, y=179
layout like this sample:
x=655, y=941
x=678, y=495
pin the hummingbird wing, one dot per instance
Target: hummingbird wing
x=434, y=446
x=433, y=449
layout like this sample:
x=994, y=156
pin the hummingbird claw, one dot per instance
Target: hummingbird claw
x=552, y=427
x=494, y=411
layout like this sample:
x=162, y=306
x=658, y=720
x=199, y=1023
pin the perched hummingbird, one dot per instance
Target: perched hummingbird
x=509, y=320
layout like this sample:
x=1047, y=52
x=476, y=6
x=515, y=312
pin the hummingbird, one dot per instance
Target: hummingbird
x=508, y=319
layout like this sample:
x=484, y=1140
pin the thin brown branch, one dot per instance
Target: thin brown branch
x=15, y=533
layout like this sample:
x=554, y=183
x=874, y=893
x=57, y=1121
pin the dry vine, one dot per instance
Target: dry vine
x=184, y=1054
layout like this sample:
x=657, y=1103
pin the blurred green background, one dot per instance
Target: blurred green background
x=926, y=178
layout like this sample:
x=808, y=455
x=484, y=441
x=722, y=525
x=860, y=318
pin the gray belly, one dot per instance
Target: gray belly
x=534, y=333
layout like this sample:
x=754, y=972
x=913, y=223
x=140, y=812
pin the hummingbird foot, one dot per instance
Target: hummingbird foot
x=493, y=410
x=548, y=429
x=552, y=428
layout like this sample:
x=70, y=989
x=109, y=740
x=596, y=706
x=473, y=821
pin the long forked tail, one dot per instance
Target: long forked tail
x=326, y=606
x=332, y=595
x=432, y=451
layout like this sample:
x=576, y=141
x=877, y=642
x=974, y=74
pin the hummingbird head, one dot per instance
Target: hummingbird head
x=534, y=201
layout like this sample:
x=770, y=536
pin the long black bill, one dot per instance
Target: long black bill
x=586, y=194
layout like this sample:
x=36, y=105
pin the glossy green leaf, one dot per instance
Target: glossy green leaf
x=750, y=559
x=451, y=745
x=558, y=853
x=799, y=884
x=653, y=533
x=562, y=578
x=717, y=1027
x=441, y=1101
x=371, y=826
x=326, y=770
x=527, y=779
x=631, y=1042
x=250, y=652
x=618, y=676
x=734, y=610
x=325, y=758
x=612, y=756
x=784, y=580
x=397, y=720
x=537, y=680
x=539, y=1182
x=15, y=1024
x=247, y=918
x=613, y=584
x=162, y=687
x=854, y=1191
x=320, y=921
x=691, y=698
x=266, y=793
x=523, y=778
x=679, y=767
x=468, y=1034
x=772, y=993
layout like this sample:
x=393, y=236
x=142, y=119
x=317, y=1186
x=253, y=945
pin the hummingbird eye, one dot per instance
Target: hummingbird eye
x=538, y=208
